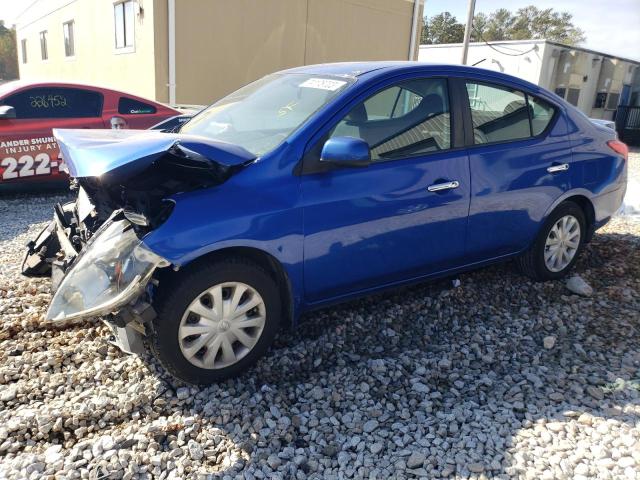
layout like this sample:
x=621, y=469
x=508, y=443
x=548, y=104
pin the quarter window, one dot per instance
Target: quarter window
x=129, y=106
x=408, y=119
x=124, y=28
x=541, y=114
x=498, y=114
x=43, y=45
x=69, y=45
x=55, y=102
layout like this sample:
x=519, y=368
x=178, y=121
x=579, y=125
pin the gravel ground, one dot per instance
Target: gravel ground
x=498, y=378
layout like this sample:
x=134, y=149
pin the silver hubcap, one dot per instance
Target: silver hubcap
x=562, y=243
x=221, y=325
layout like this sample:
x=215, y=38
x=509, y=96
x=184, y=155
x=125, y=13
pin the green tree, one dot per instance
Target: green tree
x=480, y=24
x=499, y=25
x=531, y=22
x=8, y=53
x=527, y=23
x=442, y=28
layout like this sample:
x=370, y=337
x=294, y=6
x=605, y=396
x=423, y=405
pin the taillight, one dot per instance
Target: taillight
x=619, y=147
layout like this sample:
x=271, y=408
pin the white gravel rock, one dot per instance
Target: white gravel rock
x=549, y=341
x=577, y=285
x=424, y=382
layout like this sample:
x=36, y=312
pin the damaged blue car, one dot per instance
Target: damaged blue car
x=312, y=186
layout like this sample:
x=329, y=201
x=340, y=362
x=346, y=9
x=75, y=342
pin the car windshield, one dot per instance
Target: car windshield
x=263, y=114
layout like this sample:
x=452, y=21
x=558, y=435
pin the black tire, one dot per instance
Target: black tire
x=174, y=297
x=532, y=263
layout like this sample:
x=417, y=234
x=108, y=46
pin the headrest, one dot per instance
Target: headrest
x=513, y=106
x=357, y=115
x=431, y=104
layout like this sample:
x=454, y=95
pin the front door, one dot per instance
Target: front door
x=404, y=215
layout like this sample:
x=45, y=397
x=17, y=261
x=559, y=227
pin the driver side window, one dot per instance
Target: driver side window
x=407, y=119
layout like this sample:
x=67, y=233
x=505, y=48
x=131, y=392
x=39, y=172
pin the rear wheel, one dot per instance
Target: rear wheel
x=216, y=320
x=558, y=245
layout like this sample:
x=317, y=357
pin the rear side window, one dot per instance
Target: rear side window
x=501, y=114
x=407, y=119
x=55, y=102
x=541, y=114
x=498, y=114
x=129, y=106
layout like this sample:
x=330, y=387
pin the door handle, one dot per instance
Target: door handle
x=558, y=168
x=439, y=187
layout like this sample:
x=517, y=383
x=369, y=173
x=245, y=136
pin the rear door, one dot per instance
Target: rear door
x=519, y=160
x=28, y=151
x=403, y=216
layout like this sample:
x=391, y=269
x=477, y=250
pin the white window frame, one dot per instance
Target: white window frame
x=44, y=47
x=69, y=23
x=23, y=46
x=129, y=44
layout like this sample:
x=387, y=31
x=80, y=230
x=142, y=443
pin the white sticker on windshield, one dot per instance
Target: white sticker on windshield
x=323, y=84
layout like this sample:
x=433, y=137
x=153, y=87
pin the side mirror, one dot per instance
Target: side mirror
x=346, y=151
x=7, y=111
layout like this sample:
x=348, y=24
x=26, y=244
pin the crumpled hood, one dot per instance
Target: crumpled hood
x=91, y=153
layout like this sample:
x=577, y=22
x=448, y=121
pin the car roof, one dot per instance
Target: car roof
x=381, y=68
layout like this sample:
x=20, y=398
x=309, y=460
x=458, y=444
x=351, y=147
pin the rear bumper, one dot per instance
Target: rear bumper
x=606, y=205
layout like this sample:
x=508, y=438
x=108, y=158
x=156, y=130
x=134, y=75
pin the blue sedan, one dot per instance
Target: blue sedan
x=312, y=186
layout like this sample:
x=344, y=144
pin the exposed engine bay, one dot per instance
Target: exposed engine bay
x=142, y=194
x=93, y=248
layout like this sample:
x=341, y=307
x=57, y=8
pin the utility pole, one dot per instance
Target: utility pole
x=467, y=31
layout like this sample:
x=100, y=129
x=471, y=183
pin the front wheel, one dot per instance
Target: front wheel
x=558, y=244
x=215, y=320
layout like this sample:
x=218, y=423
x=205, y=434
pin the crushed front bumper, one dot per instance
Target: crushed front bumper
x=110, y=272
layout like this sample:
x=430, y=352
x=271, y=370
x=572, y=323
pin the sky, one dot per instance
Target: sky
x=10, y=9
x=611, y=26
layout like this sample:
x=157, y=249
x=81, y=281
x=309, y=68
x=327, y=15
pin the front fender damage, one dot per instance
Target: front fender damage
x=110, y=277
x=109, y=273
x=93, y=249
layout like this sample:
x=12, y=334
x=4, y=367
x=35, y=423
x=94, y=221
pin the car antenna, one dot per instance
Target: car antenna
x=479, y=61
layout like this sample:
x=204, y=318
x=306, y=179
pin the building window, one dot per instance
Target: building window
x=123, y=17
x=43, y=45
x=69, y=45
x=612, y=101
x=561, y=91
x=23, y=42
x=573, y=95
x=601, y=99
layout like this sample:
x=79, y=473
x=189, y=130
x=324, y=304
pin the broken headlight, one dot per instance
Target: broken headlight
x=112, y=270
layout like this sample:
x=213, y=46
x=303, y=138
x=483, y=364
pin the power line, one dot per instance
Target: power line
x=30, y=5
x=503, y=53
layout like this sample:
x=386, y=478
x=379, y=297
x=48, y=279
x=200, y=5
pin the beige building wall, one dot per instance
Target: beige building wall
x=222, y=45
x=96, y=60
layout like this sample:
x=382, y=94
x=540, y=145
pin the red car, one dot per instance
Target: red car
x=29, y=110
